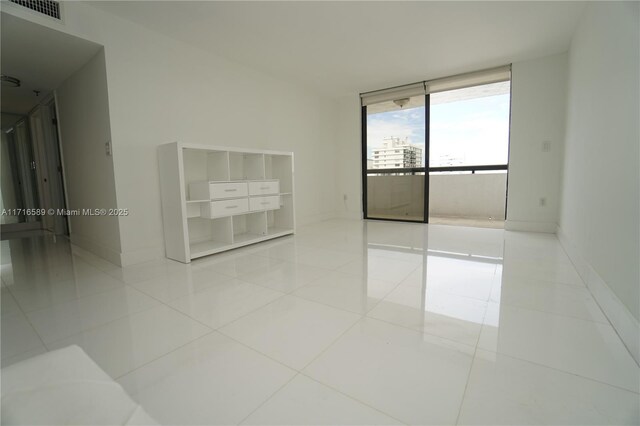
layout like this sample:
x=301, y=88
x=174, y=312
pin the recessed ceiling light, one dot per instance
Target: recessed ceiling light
x=9, y=81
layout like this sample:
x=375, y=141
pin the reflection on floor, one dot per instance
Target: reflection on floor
x=396, y=217
x=14, y=235
x=347, y=322
x=463, y=221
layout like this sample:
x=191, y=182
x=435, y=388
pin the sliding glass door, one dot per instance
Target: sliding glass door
x=394, y=136
x=437, y=151
x=469, y=154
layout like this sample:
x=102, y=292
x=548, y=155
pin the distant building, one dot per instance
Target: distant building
x=396, y=153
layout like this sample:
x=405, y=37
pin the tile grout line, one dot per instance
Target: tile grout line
x=302, y=373
x=473, y=360
x=268, y=398
x=591, y=379
x=594, y=298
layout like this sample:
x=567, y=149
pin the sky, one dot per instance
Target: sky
x=463, y=132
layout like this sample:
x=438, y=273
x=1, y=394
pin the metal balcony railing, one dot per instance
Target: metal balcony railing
x=417, y=170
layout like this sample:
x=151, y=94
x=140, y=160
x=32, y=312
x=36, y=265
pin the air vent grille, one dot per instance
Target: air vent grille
x=46, y=7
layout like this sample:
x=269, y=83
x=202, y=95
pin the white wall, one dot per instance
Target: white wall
x=538, y=93
x=161, y=90
x=349, y=159
x=600, y=208
x=83, y=111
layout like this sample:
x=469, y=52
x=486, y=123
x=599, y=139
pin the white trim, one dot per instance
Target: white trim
x=320, y=217
x=141, y=255
x=517, y=225
x=181, y=145
x=106, y=253
x=621, y=319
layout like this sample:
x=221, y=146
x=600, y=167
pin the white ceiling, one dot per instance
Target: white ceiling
x=40, y=57
x=347, y=47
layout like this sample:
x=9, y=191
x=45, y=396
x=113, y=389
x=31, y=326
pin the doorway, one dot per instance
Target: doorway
x=32, y=189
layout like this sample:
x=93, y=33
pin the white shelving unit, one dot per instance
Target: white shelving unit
x=217, y=198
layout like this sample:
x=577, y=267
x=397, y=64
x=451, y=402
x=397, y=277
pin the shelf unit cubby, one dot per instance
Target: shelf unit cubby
x=216, y=199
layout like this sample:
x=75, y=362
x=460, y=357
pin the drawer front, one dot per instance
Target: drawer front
x=219, y=191
x=227, y=208
x=263, y=188
x=264, y=203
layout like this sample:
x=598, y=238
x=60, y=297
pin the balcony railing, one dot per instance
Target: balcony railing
x=421, y=170
x=399, y=192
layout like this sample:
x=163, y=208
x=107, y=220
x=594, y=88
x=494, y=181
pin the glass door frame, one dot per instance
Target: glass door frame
x=427, y=169
x=424, y=168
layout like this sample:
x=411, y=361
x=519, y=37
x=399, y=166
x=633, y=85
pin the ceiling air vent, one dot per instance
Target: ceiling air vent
x=46, y=7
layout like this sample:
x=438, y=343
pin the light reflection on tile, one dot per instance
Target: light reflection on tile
x=382, y=318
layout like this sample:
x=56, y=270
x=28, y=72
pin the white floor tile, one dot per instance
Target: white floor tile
x=406, y=374
x=148, y=270
x=18, y=336
x=9, y=305
x=439, y=314
x=68, y=318
x=504, y=390
x=291, y=330
x=285, y=277
x=212, y=380
x=354, y=293
x=51, y=293
x=224, y=302
x=24, y=355
x=323, y=258
x=381, y=268
x=242, y=264
x=287, y=249
x=304, y=401
x=128, y=343
x=170, y=287
x=560, y=299
x=585, y=348
x=432, y=296
x=552, y=271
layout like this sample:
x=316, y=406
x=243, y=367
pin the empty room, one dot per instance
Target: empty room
x=320, y=212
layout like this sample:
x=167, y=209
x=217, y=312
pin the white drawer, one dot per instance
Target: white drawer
x=264, y=203
x=264, y=187
x=220, y=191
x=217, y=190
x=225, y=208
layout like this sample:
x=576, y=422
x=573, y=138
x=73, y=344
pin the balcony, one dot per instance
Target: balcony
x=465, y=196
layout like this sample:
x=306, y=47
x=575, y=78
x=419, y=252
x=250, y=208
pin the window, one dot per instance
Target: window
x=435, y=128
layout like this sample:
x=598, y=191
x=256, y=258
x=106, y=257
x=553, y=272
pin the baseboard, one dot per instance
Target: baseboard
x=517, y=225
x=106, y=253
x=625, y=324
x=141, y=255
x=350, y=215
x=320, y=217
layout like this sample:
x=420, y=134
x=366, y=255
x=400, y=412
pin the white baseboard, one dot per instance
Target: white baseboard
x=350, y=215
x=141, y=255
x=517, y=225
x=106, y=253
x=625, y=324
x=308, y=220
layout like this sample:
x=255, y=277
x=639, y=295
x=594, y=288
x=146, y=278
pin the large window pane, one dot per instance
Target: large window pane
x=470, y=126
x=395, y=149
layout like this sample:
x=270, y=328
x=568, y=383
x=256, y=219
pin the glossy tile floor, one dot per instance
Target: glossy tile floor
x=347, y=322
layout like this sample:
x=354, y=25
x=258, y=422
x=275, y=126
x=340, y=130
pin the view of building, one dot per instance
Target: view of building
x=397, y=153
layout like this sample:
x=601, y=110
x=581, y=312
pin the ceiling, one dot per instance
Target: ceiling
x=41, y=58
x=346, y=47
